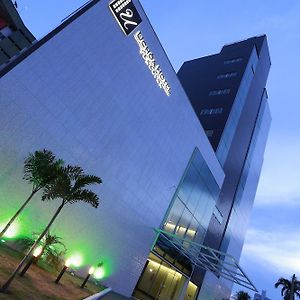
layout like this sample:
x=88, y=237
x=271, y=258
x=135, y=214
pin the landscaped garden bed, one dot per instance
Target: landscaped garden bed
x=38, y=283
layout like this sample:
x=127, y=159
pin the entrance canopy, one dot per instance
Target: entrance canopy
x=220, y=263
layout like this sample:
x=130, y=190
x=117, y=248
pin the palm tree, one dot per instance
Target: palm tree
x=69, y=187
x=241, y=295
x=40, y=168
x=290, y=287
x=49, y=251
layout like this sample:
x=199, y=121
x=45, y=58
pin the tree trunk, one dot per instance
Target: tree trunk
x=11, y=278
x=17, y=213
x=292, y=287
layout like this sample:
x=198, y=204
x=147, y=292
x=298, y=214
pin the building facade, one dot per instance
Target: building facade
x=227, y=92
x=112, y=103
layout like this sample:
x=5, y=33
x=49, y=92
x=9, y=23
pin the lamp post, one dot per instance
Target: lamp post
x=91, y=271
x=66, y=266
x=34, y=258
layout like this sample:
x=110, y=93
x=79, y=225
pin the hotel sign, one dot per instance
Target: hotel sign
x=128, y=19
x=151, y=63
x=126, y=14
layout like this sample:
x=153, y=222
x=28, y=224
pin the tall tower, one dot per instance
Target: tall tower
x=227, y=92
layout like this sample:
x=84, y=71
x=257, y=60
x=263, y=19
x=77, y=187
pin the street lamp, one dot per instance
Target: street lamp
x=66, y=266
x=34, y=258
x=91, y=271
x=99, y=272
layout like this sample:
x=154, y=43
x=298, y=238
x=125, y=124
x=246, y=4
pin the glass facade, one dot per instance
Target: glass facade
x=194, y=201
x=237, y=107
x=235, y=233
x=167, y=271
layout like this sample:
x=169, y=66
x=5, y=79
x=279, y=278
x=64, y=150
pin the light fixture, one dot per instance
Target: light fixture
x=34, y=258
x=91, y=271
x=68, y=263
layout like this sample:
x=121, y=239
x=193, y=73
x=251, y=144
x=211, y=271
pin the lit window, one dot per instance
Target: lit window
x=209, y=133
x=232, y=61
x=226, y=75
x=219, y=92
x=211, y=111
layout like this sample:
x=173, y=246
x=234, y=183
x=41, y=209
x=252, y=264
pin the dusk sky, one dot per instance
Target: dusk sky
x=191, y=29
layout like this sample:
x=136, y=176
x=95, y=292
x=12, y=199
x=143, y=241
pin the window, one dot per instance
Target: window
x=211, y=111
x=226, y=75
x=219, y=92
x=194, y=201
x=232, y=61
x=209, y=133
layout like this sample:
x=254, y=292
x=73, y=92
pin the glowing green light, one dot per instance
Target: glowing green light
x=12, y=231
x=99, y=273
x=75, y=260
x=2, y=241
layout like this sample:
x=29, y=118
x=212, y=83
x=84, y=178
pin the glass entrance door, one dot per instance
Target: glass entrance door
x=159, y=281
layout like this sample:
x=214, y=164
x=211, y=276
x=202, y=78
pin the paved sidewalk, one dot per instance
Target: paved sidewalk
x=114, y=296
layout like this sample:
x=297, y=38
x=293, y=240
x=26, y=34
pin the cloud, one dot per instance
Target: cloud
x=284, y=21
x=277, y=200
x=279, y=182
x=277, y=250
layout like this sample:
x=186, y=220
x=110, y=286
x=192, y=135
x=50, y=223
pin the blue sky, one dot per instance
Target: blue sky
x=190, y=29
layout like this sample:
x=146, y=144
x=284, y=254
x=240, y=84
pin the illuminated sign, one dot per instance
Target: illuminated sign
x=126, y=14
x=151, y=63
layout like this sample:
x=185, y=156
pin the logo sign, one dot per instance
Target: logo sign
x=150, y=61
x=126, y=14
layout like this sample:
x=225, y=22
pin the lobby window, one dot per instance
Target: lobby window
x=211, y=111
x=233, y=60
x=219, y=92
x=194, y=201
x=226, y=75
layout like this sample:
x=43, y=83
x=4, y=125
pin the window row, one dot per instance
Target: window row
x=233, y=60
x=219, y=92
x=211, y=111
x=226, y=75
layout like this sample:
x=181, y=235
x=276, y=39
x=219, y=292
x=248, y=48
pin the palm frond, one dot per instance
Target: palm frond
x=40, y=168
x=284, y=282
x=86, y=196
x=85, y=180
x=283, y=290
